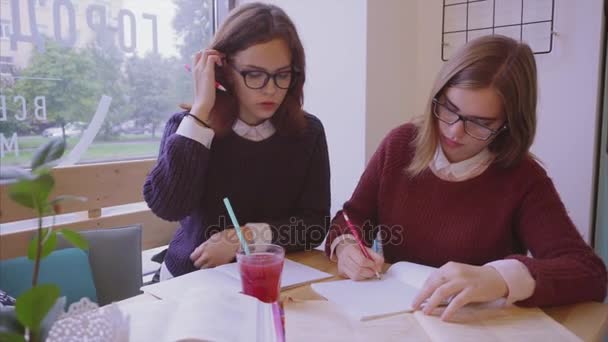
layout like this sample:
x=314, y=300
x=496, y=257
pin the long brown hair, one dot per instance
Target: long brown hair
x=508, y=67
x=248, y=25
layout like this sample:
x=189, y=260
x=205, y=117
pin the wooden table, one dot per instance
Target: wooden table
x=589, y=321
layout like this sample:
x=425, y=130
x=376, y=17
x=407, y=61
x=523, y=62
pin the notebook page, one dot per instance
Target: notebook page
x=411, y=273
x=266, y=330
x=208, y=278
x=323, y=321
x=371, y=298
x=148, y=319
x=295, y=273
x=219, y=316
x=484, y=323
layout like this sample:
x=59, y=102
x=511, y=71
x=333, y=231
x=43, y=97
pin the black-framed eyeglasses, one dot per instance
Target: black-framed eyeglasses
x=258, y=79
x=472, y=127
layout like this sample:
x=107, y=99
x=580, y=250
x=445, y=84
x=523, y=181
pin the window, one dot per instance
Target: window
x=6, y=66
x=44, y=30
x=5, y=29
x=5, y=62
x=105, y=75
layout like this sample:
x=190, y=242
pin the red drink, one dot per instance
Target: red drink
x=261, y=272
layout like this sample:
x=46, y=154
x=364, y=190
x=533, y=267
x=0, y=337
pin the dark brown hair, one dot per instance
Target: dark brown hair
x=248, y=25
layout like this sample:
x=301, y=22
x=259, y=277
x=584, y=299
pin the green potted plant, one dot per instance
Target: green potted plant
x=32, y=189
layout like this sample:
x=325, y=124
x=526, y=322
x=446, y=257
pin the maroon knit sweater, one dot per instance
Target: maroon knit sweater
x=502, y=213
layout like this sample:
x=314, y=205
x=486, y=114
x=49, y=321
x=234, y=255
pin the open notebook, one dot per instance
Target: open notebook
x=228, y=277
x=322, y=321
x=373, y=298
x=204, y=315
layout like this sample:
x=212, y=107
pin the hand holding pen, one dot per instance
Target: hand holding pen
x=204, y=80
x=355, y=260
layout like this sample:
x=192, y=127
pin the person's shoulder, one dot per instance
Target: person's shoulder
x=313, y=130
x=526, y=173
x=399, y=141
x=531, y=167
x=404, y=133
x=313, y=123
x=396, y=149
x=526, y=177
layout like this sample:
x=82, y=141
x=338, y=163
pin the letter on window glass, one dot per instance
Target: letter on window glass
x=122, y=14
x=3, y=108
x=154, y=31
x=40, y=108
x=18, y=36
x=8, y=146
x=71, y=38
x=23, y=108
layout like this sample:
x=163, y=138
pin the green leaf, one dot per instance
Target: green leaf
x=33, y=305
x=48, y=152
x=11, y=337
x=75, y=239
x=33, y=193
x=22, y=193
x=14, y=173
x=48, y=246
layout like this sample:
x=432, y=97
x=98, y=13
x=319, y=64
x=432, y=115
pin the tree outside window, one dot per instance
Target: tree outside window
x=112, y=69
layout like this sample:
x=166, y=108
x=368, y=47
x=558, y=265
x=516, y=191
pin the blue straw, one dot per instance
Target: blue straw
x=237, y=227
x=377, y=244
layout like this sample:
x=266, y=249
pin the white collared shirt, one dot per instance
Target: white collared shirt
x=463, y=170
x=189, y=128
x=260, y=132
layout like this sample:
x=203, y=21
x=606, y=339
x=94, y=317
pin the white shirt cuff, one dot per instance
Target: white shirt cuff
x=262, y=234
x=517, y=277
x=336, y=242
x=189, y=128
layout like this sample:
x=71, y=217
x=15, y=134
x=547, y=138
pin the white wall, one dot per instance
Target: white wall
x=334, y=37
x=569, y=95
x=569, y=79
x=391, y=79
x=428, y=50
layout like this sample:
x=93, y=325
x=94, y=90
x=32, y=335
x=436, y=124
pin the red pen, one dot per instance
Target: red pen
x=217, y=84
x=358, y=239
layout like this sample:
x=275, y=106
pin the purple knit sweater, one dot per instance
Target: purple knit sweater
x=282, y=181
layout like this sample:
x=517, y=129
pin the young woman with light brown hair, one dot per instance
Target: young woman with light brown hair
x=458, y=189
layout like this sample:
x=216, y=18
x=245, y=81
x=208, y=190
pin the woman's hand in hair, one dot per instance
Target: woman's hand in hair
x=457, y=285
x=354, y=265
x=203, y=77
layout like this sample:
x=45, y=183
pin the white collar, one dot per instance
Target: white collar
x=260, y=132
x=465, y=169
